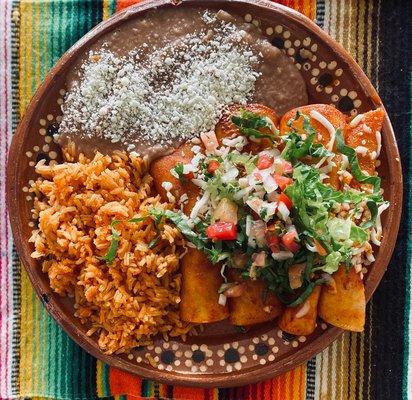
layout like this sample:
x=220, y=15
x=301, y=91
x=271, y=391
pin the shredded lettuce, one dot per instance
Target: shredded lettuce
x=247, y=160
x=332, y=262
x=358, y=234
x=313, y=202
x=339, y=229
x=297, y=148
x=182, y=223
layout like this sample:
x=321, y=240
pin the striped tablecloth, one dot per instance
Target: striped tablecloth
x=37, y=359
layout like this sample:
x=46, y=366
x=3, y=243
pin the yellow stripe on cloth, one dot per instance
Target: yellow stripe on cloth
x=29, y=352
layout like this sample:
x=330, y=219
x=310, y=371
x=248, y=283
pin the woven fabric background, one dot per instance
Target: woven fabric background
x=38, y=360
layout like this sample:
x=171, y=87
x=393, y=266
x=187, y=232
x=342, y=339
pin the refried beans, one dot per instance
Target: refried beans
x=142, y=90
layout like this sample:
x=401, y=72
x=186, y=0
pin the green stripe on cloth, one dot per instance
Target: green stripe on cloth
x=51, y=364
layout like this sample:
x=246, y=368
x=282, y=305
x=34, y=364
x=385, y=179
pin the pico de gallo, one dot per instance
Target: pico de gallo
x=262, y=213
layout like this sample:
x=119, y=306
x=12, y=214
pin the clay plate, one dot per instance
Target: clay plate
x=219, y=356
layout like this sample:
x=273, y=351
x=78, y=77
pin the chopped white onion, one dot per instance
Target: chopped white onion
x=188, y=168
x=248, y=227
x=222, y=299
x=243, y=182
x=259, y=259
x=238, y=142
x=242, y=193
x=370, y=257
x=199, y=182
x=270, y=184
x=197, y=158
x=345, y=162
x=258, y=231
x=271, y=209
x=326, y=169
x=375, y=238
x=196, y=149
x=255, y=204
x=282, y=255
x=283, y=210
x=230, y=175
x=202, y=202
x=166, y=185
x=325, y=122
x=311, y=248
x=366, y=128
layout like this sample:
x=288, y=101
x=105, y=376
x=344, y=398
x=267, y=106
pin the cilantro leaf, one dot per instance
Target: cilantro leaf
x=349, y=152
x=249, y=124
x=114, y=244
x=178, y=169
x=182, y=223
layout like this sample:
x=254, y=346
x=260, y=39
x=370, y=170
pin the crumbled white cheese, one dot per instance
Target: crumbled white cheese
x=178, y=91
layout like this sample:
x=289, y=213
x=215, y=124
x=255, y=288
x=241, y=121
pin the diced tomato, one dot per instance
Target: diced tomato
x=222, y=231
x=286, y=167
x=189, y=175
x=272, y=239
x=288, y=240
x=282, y=181
x=212, y=166
x=264, y=161
x=285, y=199
x=274, y=243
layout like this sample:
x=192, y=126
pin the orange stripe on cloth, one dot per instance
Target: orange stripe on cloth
x=289, y=386
x=124, y=383
x=122, y=4
x=307, y=7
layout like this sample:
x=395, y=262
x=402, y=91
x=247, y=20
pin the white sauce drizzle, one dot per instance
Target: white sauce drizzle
x=361, y=150
x=379, y=142
x=356, y=120
x=199, y=205
x=325, y=122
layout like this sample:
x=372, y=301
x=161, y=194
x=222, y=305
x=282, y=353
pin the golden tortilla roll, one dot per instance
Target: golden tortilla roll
x=343, y=303
x=333, y=115
x=366, y=134
x=333, y=176
x=199, y=294
x=251, y=307
x=200, y=279
x=226, y=128
x=160, y=171
x=301, y=320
